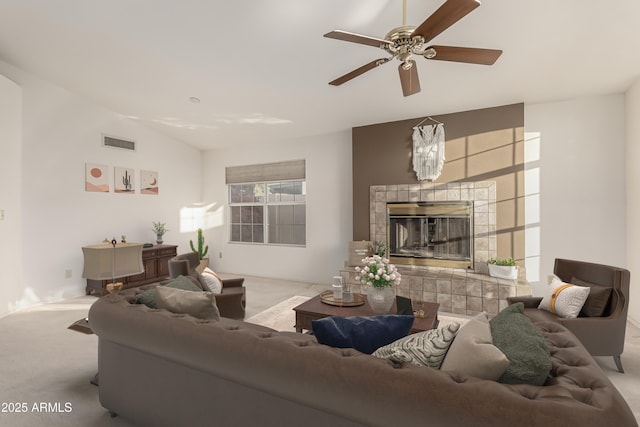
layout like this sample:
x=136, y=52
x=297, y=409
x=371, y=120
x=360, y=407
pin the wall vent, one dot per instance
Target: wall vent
x=110, y=141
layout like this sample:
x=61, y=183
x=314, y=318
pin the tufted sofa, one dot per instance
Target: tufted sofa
x=164, y=369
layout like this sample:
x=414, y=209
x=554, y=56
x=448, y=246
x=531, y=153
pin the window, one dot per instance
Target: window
x=268, y=212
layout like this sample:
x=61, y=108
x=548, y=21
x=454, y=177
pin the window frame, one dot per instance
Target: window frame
x=266, y=203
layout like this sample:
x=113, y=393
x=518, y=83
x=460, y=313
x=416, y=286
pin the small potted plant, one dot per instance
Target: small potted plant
x=503, y=268
x=201, y=250
x=159, y=228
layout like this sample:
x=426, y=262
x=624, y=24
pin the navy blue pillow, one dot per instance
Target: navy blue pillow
x=365, y=334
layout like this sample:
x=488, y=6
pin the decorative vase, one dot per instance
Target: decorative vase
x=380, y=299
x=159, y=239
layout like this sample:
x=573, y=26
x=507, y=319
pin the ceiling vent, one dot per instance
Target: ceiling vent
x=118, y=143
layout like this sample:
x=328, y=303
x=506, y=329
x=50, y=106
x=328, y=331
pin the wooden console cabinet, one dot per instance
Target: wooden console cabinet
x=156, y=267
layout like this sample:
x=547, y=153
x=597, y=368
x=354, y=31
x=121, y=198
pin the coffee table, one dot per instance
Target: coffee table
x=315, y=309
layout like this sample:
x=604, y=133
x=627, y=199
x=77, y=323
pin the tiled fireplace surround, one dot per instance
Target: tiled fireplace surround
x=458, y=291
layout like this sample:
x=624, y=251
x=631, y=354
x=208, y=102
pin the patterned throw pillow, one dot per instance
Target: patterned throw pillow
x=211, y=280
x=564, y=299
x=426, y=348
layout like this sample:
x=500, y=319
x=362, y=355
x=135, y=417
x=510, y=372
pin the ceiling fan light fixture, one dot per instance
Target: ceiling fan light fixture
x=430, y=53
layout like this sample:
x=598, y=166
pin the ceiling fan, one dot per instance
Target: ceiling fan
x=405, y=41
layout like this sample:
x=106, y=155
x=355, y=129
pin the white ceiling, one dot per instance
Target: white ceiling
x=261, y=67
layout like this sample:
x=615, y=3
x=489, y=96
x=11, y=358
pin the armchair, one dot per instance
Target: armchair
x=231, y=301
x=603, y=335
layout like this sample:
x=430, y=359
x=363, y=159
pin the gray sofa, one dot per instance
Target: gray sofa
x=164, y=369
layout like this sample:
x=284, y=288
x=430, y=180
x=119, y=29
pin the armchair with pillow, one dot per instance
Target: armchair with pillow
x=600, y=320
x=230, y=295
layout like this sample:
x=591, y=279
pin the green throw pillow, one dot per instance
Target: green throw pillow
x=525, y=347
x=148, y=297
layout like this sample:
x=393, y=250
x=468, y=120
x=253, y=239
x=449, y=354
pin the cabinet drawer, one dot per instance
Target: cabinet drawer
x=146, y=254
x=167, y=252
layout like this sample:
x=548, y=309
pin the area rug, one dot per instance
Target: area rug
x=281, y=317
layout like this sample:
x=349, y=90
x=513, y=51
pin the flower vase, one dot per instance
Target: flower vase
x=380, y=299
x=159, y=239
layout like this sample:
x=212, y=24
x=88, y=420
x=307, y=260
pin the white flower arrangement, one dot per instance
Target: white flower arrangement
x=378, y=272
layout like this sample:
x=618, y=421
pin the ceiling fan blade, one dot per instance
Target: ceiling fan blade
x=361, y=70
x=409, y=78
x=470, y=55
x=356, y=38
x=447, y=15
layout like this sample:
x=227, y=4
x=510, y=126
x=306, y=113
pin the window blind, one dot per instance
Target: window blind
x=278, y=171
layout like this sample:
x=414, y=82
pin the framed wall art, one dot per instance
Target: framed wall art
x=96, y=178
x=124, y=180
x=149, y=182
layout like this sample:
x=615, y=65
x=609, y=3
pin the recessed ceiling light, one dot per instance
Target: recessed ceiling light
x=194, y=99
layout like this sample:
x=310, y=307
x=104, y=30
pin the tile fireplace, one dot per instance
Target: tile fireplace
x=441, y=251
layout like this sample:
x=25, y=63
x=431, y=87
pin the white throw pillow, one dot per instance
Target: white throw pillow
x=564, y=299
x=473, y=353
x=423, y=349
x=211, y=280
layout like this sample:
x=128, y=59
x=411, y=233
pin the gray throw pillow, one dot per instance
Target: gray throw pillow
x=522, y=343
x=148, y=297
x=197, y=304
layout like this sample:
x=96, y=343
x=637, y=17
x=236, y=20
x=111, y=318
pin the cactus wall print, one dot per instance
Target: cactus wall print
x=96, y=178
x=148, y=182
x=124, y=182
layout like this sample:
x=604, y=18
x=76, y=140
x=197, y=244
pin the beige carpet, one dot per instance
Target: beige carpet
x=280, y=317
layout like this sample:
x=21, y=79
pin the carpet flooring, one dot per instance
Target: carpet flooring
x=45, y=368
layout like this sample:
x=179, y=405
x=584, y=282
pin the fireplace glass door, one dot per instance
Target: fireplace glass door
x=418, y=233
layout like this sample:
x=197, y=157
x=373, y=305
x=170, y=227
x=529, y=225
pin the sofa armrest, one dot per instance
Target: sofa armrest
x=528, y=301
x=233, y=283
